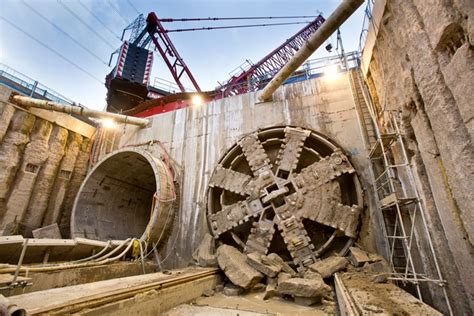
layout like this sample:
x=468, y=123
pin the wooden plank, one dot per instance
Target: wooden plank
x=109, y=290
x=6, y=279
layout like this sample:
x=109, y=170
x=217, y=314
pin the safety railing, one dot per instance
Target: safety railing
x=310, y=69
x=28, y=86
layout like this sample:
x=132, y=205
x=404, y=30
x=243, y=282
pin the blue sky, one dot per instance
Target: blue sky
x=210, y=55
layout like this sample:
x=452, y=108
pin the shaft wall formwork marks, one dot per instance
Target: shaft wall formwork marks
x=40, y=166
x=197, y=137
x=427, y=75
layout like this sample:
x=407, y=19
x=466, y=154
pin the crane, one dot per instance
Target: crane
x=129, y=91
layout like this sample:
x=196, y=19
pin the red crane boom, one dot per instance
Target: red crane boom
x=128, y=88
x=261, y=72
x=168, y=52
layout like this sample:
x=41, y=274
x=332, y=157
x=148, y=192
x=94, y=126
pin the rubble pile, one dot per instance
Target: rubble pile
x=255, y=271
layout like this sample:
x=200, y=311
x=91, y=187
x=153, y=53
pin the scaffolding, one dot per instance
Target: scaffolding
x=405, y=229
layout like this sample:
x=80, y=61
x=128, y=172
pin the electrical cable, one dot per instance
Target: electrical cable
x=98, y=19
x=58, y=28
x=233, y=26
x=134, y=8
x=51, y=49
x=161, y=235
x=142, y=258
x=94, y=256
x=118, y=12
x=130, y=240
x=237, y=18
x=85, y=24
x=172, y=249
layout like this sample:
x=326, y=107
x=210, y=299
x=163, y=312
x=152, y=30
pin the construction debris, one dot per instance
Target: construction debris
x=299, y=287
x=50, y=231
x=245, y=271
x=282, y=276
x=232, y=290
x=359, y=257
x=312, y=275
x=307, y=301
x=236, y=268
x=271, y=289
x=255, y=261
x=208, y=292
x=381, y=266
x=274, y=259
x=359, y=295
x=205, y=253
x=380, y=269
x=327, y=267
x=219, y=287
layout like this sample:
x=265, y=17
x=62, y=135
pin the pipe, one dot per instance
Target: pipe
x=73, y=109
x=339, y=16
x=9, y=308
x=20, y=261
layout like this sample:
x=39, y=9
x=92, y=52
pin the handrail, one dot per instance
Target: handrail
x=33, y=85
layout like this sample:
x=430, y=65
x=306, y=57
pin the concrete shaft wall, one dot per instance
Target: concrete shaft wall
x=197, y=137
x=423, y=65
x=42, y=165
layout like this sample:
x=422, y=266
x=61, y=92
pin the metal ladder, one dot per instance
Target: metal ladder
x=399, y=202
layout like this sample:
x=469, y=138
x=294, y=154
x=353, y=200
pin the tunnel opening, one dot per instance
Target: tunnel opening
x=121, y=198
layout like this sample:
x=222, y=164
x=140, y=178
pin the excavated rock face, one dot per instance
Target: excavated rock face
x=288, y=191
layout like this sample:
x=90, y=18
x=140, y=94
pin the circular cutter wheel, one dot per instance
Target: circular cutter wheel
x=286, y=190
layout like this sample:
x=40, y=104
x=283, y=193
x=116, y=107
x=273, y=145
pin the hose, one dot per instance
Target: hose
x=93, y=256
x=76, y=265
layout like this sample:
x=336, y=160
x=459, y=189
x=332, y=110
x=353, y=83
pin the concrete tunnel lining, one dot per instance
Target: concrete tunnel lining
x=117, y=199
